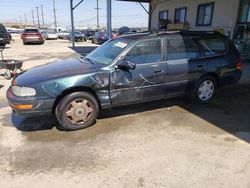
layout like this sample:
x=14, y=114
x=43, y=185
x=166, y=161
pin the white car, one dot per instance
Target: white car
x=50, y=35
x=63, y=34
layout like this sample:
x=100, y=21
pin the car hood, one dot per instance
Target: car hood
x=59, y=69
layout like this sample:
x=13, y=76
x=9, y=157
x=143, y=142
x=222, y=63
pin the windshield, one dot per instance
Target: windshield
x=106, y=53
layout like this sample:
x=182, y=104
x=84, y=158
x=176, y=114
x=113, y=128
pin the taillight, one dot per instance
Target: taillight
x=239, y=64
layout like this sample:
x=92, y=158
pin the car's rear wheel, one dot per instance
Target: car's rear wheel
x=77, y=111
x=204, y=90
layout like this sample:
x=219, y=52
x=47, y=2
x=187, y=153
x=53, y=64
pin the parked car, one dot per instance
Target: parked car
x=63, y=34
x=100, y=37
x=50, y=35
x=32, y=36
x=78, y=36
x=89, y=34
x=129, y=69
x=9, y=37
x=4, y=37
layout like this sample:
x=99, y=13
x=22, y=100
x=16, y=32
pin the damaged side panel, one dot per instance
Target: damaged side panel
x=98, y=82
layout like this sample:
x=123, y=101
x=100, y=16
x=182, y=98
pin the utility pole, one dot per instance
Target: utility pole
x=20, y=18
x=33, y=17
x=72, y=23
x=38, y=21
x=97, y=15
x=25, y=18
x=54, y=11
x=42, y=14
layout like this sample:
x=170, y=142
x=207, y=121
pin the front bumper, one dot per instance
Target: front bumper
x=39, y=106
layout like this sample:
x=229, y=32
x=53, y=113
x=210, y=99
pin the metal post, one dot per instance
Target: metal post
x=109, y=19
x=38, y=21
x=72, y=23
x=149, y=17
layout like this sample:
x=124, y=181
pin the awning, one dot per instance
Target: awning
x=142, y=1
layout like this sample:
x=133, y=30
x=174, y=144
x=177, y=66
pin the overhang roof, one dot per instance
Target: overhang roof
x=142, y=1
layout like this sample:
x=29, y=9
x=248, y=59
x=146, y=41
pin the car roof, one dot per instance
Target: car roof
x=184, y=33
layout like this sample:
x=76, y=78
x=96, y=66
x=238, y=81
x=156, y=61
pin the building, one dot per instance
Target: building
x=230, y=17
x=222, y=15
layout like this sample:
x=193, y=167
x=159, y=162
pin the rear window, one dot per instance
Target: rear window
x=31, y=31
x=213, y=46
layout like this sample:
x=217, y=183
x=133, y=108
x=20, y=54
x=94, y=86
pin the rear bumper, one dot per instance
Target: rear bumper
x=39, y=106
x=33, y=40
x=231, y=78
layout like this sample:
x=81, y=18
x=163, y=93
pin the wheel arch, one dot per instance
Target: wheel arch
x=213, y=75
x=72, y=90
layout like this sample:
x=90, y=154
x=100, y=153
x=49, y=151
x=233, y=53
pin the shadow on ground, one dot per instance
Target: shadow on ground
x=83, y=50
x=229, y=111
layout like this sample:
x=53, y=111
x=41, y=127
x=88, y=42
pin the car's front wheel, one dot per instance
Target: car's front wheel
x=77, y=111
x=204, y=90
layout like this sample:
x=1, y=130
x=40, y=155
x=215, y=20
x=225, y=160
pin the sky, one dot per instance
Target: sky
x=123, y=13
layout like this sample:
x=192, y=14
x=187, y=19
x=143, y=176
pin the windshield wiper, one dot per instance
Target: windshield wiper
x=89, y=60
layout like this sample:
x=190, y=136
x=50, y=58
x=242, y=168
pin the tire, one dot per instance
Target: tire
x=204, y=90
x=82, y=109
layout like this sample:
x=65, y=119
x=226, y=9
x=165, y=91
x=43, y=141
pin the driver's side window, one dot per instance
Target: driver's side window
x=145, y=52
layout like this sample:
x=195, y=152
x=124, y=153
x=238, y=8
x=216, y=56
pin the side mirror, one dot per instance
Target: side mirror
x=126, y=64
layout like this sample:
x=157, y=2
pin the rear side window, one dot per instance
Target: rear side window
x=180, y=48
x=213, y=46
x=145, y=52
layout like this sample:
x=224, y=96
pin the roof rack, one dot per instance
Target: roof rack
x=164, y=32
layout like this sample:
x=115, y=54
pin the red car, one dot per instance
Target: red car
x=32, y=36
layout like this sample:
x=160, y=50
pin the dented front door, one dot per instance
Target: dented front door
x=144, y=83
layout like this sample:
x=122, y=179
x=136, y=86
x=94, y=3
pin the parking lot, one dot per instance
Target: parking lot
x=170, y=143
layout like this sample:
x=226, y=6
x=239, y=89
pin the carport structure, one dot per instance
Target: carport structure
x=109, y=14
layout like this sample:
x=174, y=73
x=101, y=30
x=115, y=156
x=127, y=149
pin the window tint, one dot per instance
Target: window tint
x=145, y=52
x=213, y=46
x=205, y=13
x=180, y=48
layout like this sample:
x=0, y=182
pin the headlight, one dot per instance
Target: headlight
x=23, y=91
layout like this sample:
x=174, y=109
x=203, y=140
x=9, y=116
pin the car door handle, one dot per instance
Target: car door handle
x=200, y=65
x=158, y=71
